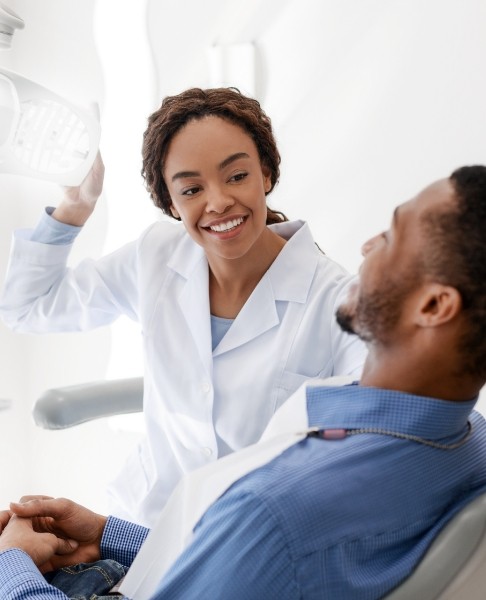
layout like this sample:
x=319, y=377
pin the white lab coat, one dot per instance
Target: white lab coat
x=199, y=404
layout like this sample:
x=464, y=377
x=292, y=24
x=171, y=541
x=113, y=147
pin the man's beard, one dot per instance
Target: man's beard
x=375, y=314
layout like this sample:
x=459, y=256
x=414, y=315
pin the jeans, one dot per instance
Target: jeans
x=88, y=581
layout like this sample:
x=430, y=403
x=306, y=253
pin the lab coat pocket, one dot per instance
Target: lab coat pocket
x=131, y=486
x=138, y=474
x=288, y=384
x=146, y=465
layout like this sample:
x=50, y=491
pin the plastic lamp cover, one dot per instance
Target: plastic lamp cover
x=43, y=135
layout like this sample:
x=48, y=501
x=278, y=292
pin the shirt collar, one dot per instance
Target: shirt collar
x=355, y=407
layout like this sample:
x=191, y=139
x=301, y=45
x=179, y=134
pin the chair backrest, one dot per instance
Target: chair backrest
x=454, y=567
x=63, y=407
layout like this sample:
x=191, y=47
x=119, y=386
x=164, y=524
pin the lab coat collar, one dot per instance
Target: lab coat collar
x=293, y=270
x=288, y=279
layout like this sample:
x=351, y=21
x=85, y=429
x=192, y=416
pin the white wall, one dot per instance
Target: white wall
x=370, y=99
x=57, y=49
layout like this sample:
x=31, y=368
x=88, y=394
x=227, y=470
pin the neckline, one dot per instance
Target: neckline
x=339, y=434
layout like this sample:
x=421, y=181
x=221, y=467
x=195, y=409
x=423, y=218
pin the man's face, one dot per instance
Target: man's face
x=392, y=271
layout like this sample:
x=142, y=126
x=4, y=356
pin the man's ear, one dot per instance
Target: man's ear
x=438, y=305
x=174, y=212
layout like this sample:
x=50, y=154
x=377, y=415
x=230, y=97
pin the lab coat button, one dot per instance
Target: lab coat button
x=206, y=387
x=206, y=451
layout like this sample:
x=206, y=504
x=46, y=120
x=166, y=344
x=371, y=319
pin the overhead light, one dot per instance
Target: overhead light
x=9, y=22
x=43, y=135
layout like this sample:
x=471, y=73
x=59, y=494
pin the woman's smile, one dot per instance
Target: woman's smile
x=227, y=228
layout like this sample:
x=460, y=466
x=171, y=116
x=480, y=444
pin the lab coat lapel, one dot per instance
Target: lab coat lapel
x=191, y=263
x=287, y=280
x=259, y=314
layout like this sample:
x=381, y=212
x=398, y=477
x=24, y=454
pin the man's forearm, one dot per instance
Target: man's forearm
x=20, y=579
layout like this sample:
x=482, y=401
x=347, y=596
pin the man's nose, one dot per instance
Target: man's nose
x=368, y=245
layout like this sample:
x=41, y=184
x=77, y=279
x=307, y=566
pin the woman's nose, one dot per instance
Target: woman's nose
x=218, y=201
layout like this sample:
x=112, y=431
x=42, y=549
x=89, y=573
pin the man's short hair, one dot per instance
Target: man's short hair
x=456, y=256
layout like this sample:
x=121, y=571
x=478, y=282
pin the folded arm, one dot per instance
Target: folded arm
x=42, y=534
x=54, y=532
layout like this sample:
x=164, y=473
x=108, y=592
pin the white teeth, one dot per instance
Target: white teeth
x=227, y=226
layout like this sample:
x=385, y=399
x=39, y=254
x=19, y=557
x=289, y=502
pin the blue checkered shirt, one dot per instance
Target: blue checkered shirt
x=340, y=519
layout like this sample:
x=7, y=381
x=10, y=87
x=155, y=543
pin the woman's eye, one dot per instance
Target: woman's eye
x=190, y=191
x=238, y=176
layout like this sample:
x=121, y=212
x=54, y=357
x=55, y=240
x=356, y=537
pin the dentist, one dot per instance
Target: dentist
x=230, y=302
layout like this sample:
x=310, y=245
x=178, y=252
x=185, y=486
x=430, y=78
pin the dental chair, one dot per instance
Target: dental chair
x=59, y=408
x=454, y=567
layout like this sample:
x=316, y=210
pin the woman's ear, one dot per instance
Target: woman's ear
x=439, y=304
x=267, y=179
x=174, y=212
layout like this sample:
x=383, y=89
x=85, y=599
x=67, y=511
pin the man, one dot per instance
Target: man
x=349, y=511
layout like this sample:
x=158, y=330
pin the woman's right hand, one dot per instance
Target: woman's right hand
x=79, y=201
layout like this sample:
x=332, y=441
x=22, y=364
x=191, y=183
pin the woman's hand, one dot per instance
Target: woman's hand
x=67, y=521
x=79, y=201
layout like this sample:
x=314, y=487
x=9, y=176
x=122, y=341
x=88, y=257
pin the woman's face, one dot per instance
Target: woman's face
x=217, y=186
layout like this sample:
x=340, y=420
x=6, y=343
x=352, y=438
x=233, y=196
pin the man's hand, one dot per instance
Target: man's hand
x=4, y=519
x=41, y=547
x=68, y=521
x=79, y=201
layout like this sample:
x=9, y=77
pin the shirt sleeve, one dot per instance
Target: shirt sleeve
x=51, y=231
x=122, y=540
x=238, y=552
x=20, y=579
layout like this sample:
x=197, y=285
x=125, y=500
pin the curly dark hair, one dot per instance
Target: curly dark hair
x=457, y=257
x=194, y=104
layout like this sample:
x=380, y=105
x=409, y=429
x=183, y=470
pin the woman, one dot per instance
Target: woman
x=236, y=305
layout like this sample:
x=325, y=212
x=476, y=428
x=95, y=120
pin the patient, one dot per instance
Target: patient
x=349, y=511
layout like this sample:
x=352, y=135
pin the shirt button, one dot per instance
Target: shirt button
x=206, y=451
x=206, y=387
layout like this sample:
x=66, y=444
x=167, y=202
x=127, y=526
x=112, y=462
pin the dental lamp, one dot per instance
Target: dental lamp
x=9, y=22
x=42, y=134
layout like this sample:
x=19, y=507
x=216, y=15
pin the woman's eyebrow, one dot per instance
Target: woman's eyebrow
x=221, y=166
x=232, y=158
x=182, y=174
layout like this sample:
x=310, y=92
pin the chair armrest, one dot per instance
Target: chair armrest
x=59, y=408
